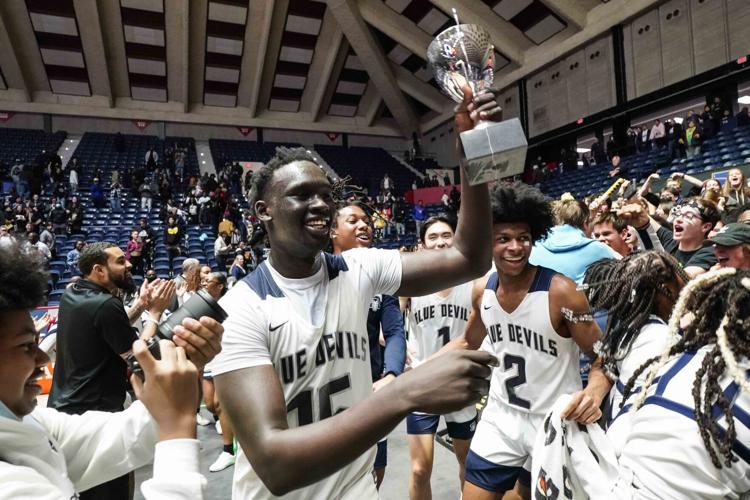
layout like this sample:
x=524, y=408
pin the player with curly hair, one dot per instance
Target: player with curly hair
x=535, y=321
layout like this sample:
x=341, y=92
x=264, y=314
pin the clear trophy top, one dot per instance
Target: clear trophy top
x=465, y=49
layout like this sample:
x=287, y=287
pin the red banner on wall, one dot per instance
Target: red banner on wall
x=141, y=124
x=6, y=115
x=245, y=130
x=332, y=136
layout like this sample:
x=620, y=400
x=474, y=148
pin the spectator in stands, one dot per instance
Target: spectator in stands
x=72, y=258
x=611, y=147
x=658, y=134
x=58, y=216
x=708, y=124
x=238, y=270
x=47, y=236
x=568, y=249
x=97, y=194
x=732, y=246
x=147, y=236
x=613, y=232
x=147, y=194
x=735, y=189
x=134, y=252
x=43, y=249
x=75, y=216
x=73, y=179
x=115, y=197
x=398, y=216
x=151, y=158
x=692, y=139
x=597, y=151
x=419, y=214
x=222, y=249
x=743, y=117
x=172, y=240
x=687, y=241
x=618, y=170
x=386, y=185
x=692, y=116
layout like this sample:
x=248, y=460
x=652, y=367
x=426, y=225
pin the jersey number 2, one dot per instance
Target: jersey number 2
x=303, y=402
x=509, y=361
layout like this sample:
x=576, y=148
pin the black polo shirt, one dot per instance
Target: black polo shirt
x=93, y=330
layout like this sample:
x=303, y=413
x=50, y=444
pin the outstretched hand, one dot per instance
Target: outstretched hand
x=476, y=108
x=448, y=383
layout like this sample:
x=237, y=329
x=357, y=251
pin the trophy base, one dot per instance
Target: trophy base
x=494, y=150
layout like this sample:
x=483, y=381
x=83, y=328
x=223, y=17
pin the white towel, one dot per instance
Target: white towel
x=571, y=460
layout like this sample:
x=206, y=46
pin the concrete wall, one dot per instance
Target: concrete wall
x=574, y=87
x=24, y=120
x=301, y=137
x=681, y=39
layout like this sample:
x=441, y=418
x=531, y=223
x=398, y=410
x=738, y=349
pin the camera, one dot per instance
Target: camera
x=199, y=305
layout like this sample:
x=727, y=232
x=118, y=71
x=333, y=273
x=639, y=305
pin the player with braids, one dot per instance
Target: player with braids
x=703, y=382
x=639, y=292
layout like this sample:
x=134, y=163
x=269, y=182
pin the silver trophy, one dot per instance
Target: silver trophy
x=464, y=55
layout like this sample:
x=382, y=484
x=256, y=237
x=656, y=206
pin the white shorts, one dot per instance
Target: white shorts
x=505, y=436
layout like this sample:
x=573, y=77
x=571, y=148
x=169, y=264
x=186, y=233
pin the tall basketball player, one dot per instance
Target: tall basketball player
x=294, y=374
x=434, y=320
x=352, y=228
x=536, y=323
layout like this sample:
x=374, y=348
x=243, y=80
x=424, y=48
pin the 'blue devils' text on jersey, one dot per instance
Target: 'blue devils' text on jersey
x=536, y=364
x=322, y=369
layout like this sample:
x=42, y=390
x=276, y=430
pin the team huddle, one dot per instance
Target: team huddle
x=312, y=395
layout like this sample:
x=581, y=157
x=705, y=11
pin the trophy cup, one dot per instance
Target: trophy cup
x=464, y=55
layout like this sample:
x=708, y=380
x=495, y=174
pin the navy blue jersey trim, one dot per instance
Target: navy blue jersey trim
x=492, y=282
x=542, y=280
x=741, y=450
x=261, y=282
x=335, y=264
x=667, y=377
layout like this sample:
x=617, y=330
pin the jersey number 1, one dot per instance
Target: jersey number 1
x=445, y=333
x=509, y=361
x=303, y=402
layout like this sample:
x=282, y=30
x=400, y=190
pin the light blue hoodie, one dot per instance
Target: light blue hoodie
x=568, y=251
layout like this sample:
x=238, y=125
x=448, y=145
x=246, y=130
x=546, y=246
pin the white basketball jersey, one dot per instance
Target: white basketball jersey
x=434, y=320
x=536, y=364
x=665, y=426
x=322, y=370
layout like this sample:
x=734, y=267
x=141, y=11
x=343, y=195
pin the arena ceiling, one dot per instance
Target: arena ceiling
x=333, y=66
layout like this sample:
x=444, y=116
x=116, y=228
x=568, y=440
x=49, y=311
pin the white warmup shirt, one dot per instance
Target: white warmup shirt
x=313, y=331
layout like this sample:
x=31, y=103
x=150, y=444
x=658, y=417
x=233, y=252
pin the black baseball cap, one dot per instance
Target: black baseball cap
x=732, y=234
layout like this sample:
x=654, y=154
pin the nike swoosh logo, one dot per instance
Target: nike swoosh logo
x=487, y=307
x=273, y=328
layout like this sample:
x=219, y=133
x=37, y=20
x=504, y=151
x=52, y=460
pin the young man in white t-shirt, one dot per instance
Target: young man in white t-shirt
x=294, y=375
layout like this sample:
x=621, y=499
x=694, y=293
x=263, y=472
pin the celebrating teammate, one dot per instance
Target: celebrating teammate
x=434, y=320
x=294, y=375
x=639, y=293
x=352, y=228
x=536, y=321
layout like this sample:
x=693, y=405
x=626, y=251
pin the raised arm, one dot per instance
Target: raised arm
x=286, y=458
x=432, y=270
